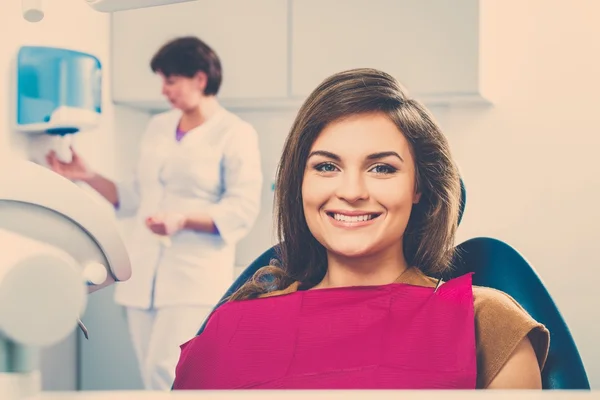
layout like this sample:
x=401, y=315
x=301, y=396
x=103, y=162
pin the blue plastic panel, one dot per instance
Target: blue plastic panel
x=58, y=90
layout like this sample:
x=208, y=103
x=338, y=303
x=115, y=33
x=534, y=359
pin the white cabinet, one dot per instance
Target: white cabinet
x=431, y=46
x=275, y=52
x=250, y=38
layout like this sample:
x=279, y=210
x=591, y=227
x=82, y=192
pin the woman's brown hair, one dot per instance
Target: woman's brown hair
x=430, y=233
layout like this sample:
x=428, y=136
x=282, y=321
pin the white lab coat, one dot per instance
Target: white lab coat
x=215, y=168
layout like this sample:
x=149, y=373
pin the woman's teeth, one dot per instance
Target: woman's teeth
x=354, y=218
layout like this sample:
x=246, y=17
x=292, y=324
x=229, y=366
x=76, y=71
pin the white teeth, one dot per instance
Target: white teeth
x=356, y=218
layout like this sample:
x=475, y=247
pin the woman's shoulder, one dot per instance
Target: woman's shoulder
x=238, y=134
x=166, y=117
x=501, y=325
x=234, y=123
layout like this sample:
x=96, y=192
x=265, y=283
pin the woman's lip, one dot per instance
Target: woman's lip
x=353, y=213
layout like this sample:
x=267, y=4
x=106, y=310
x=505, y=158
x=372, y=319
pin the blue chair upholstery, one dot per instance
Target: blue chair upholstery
x=497, y=265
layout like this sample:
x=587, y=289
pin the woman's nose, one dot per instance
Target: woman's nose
x=352, y=187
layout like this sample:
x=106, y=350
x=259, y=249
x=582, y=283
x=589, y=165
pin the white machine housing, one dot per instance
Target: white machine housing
x=58, y=244
x=122, y=5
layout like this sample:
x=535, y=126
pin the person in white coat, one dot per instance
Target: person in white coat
x=195, y=194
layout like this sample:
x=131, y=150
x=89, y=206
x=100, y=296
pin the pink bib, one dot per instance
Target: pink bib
x=396, y=336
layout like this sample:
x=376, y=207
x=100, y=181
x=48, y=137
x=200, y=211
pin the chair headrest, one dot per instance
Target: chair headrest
x=463, y=200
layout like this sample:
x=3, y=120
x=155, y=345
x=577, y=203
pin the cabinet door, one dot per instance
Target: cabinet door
x=250, y=38
x=431, y=46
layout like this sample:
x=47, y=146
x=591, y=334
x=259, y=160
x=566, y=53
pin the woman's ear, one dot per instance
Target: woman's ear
x=417, y=188
x=417, y=194
x=201, y=80
x=417, y=197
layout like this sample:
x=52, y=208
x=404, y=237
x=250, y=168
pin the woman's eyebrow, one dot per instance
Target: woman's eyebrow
x=324, y=153
x=374, y=156
x=383, y=154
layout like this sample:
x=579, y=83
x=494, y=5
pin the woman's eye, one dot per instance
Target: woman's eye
x=383, y=169
x=326, y=167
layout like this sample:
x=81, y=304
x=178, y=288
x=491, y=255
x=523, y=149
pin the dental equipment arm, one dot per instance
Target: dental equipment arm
x=122, y=5
x=57, y=245
x=33, y=10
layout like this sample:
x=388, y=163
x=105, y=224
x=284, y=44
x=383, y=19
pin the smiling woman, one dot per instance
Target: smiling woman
x=367, y=206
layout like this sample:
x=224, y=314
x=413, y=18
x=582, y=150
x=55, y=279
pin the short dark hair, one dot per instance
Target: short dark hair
x=186, y=56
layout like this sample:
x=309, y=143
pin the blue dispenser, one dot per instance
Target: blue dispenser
x=59, y=91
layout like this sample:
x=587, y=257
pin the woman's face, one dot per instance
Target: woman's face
x=182, y=92
x=359, y=186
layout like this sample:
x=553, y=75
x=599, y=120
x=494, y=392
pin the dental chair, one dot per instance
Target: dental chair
x=497, y=265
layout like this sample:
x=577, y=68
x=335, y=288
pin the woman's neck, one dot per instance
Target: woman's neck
x=378, y=269
x=198, y=115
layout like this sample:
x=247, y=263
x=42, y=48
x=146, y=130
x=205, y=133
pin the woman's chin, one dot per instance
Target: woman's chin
x=351, y=251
